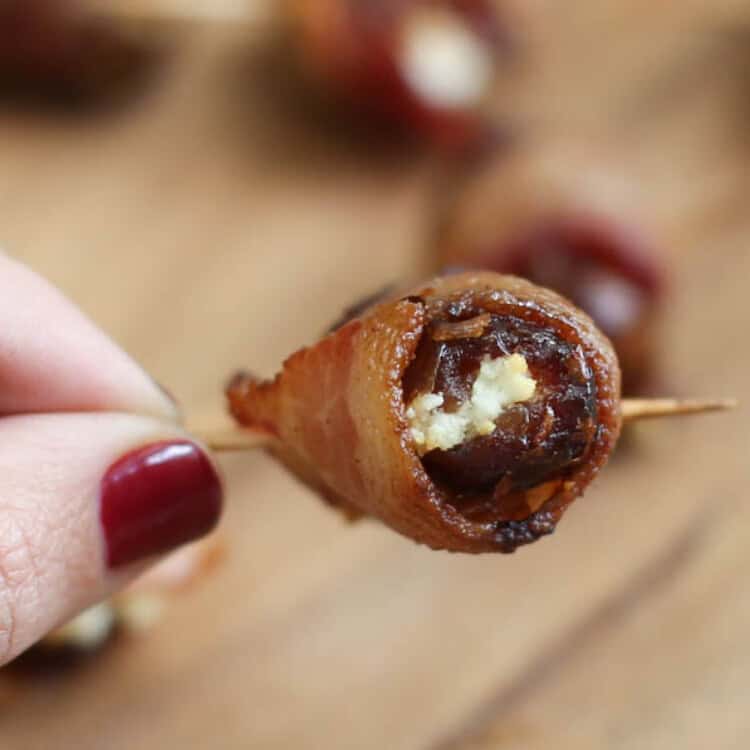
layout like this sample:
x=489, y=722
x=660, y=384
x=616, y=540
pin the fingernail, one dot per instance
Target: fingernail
x=156, y=498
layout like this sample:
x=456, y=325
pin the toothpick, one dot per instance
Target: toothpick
x=229, y=438
x=648, y=408
x=232, y=439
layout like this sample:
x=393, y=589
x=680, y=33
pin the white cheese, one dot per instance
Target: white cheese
x=500, y=383
x=140, y=611
x=87, y=631
x=444, y=61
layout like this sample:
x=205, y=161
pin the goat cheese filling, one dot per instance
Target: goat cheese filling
x=500, y=383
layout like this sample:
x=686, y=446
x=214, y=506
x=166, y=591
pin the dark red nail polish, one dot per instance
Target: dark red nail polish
x=157, y=498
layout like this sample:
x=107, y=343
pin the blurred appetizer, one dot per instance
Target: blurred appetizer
x=137, y=609
x=556, y=220
x=467, y=413
x=423, y=67
x=60, y=49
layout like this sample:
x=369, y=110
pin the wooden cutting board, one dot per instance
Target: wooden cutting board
x=211, y=226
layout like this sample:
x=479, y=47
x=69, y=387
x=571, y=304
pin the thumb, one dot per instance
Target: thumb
x=52, y=358
x=86, y=501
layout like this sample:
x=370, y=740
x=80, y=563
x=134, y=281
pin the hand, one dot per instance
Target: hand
x=97, y=480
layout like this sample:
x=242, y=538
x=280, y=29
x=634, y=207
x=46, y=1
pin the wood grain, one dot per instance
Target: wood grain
x=206, y=228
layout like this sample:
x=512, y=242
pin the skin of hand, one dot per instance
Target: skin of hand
x=97, y=479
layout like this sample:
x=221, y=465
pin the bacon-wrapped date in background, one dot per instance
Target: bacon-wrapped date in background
x=60, y=49
x=466, y=413
x=423, y=68
x=136, y=610
x=565, y=221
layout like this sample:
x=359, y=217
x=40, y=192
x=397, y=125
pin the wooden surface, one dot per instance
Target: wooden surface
x=205, y=229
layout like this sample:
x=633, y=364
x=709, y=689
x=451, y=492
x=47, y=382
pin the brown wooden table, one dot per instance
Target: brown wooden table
x=206, y=229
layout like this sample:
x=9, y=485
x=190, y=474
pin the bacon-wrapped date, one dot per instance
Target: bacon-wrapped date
x=137, y=609
x=424, y=67
x=467, y=414
x=56, y=48
x=561, y=224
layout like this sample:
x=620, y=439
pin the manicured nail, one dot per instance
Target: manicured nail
x=157, y=498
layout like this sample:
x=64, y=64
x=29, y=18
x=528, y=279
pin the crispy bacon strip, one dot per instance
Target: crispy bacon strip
x=338, y=413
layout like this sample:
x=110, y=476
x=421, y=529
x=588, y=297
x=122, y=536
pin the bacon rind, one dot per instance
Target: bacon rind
x=338, y=416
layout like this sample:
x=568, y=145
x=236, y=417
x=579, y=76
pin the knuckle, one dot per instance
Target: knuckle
x=19, y=584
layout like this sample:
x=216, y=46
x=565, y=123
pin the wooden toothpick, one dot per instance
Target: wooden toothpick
x=648, y=408
x=229, y=438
